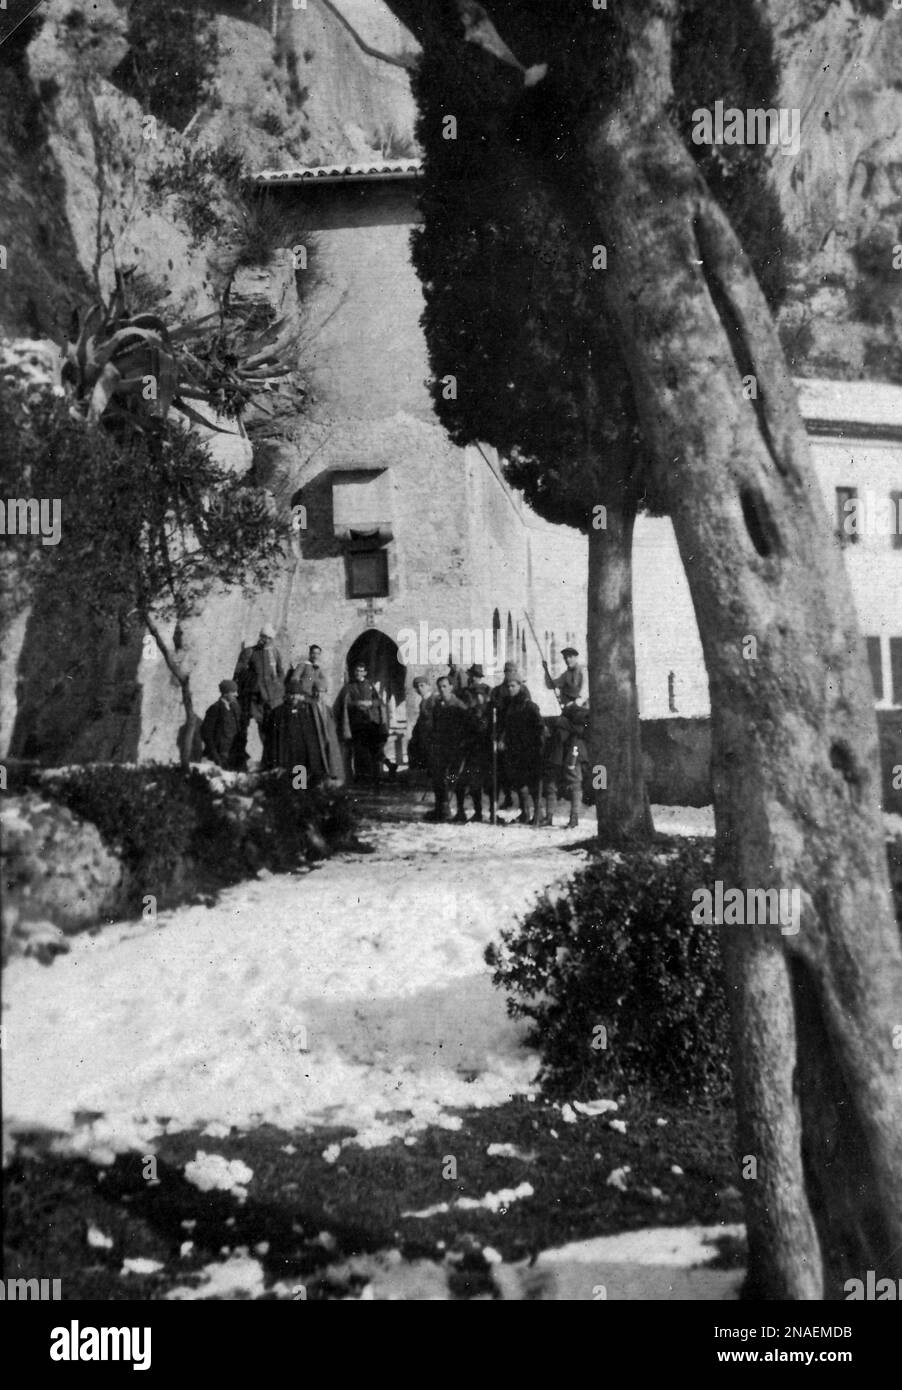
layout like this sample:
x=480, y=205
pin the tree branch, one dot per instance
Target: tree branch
x=479, y=29
x=407, y=61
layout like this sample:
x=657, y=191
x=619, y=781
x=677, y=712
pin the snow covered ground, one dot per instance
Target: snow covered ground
x=335, y=996
x=355, y=994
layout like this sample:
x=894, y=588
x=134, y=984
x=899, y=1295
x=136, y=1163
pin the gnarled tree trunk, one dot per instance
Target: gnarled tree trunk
x=796, y=789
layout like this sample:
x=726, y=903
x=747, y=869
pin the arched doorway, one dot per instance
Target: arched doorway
x=379, y=655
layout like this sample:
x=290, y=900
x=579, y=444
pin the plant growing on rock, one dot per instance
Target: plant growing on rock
x=126, y=368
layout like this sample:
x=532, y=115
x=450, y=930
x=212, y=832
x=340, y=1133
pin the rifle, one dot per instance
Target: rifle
x=493, y=817
x=544, y=662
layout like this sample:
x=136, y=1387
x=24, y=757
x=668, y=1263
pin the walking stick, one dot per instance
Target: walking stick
x=560, y=698
x=539, y=783
x=493, y=818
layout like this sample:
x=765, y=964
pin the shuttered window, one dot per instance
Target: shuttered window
x=875, y=662
x=895, y=666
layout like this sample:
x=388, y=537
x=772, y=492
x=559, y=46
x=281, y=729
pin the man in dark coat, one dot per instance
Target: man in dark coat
x=521, y=735
x=565, y=759
x=498, y=698
x=260, y=674
x=419, y=749
x=467, y=692
x=294, y=742
x=222, y=730
x=363, y=725
x=448, y=739
x=477, y=750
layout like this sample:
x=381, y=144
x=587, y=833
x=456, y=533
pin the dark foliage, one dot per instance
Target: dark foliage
x=506, y=252
x=619, y=949
x=171, y=58
x=150, y=521
x=197, y=177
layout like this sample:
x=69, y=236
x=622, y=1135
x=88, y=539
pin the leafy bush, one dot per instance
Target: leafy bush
x=618, y=949
x=199, y=177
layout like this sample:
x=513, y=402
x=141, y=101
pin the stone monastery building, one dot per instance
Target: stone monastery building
x=411, y=547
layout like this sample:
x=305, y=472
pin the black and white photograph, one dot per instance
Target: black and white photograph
x=451, y=665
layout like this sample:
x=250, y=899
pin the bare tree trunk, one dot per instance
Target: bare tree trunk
x=796, y=790
x=621, y=801
x=188, y=732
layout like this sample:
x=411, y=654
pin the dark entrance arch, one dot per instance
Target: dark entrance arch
x=379, y=655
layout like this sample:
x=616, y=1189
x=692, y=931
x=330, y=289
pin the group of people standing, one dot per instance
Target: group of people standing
x=298, y=727
x=475, y=740
x=472, y=739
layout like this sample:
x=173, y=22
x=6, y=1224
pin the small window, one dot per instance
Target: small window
x=875, y=661
x=847, y=521
x=896, y=536
x=367, y=573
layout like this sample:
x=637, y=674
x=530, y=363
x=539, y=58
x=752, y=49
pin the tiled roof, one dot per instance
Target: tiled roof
x=873, y=408
x=344, y=173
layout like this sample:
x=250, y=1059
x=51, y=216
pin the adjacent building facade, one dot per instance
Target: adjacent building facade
x=855, y=429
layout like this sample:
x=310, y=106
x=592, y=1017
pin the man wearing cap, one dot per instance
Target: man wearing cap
x=295, y=741
x=498, y=698
x=222, y=730
x=260, y=674
x=522, y=734
x=475, y=677
x=571, y=682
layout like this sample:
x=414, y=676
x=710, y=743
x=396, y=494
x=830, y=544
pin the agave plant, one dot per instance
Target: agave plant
x=125, y=366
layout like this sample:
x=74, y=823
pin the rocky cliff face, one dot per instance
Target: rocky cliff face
x=842, y=193
x=92, y=182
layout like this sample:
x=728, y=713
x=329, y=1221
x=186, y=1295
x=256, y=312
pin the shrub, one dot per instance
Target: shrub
x=199, y=177
x=618, y=948
x=180, y=832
